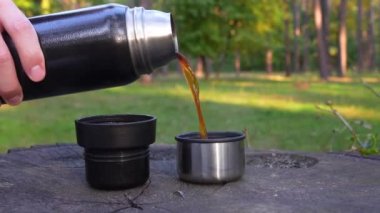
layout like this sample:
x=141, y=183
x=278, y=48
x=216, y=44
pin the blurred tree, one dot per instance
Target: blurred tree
x=30, y=7
x=288, y=57
x=236, y=19
x=147, y=4
x=296, y=34
x=261, y=34
x=342, y=50
x=307, y=11
x=321, y=39
x=325, y=8
x=370, y=46
x=288, y=54
x=359, y=35
x=198, y=32
x=38, y=7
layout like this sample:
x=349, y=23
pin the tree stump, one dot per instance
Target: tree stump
x=52, y=179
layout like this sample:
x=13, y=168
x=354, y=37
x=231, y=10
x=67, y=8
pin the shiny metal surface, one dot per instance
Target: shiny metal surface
x=152, y=38
x=218, y=159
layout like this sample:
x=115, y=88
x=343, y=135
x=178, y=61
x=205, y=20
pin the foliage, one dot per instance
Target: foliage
x=33, y=7
x=370, y=145
x=216, y=28
x=198, y=33
x=367, y=145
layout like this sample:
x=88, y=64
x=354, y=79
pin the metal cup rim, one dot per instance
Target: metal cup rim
x=213, y=137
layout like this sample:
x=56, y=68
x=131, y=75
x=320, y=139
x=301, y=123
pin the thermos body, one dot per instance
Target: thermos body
x=96, y=47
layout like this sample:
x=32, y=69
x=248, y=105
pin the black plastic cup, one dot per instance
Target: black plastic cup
x=116, y=149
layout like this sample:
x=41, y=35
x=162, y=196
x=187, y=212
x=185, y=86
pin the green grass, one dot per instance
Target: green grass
x=278, y=113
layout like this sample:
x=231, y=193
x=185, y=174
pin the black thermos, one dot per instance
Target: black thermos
x=97, y=47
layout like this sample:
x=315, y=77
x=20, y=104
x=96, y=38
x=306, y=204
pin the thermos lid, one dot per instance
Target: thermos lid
x=152, y=38
x=124, y=131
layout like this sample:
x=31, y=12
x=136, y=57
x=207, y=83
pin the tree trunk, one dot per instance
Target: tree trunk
x=200, y=71
x=220, y=64
x=342, y=37
x=359, y=38
x=237, y=63
x=209, y=66
x=147, y=4
x=325, y=7
x=321, y=40
x=371, y=37
x=205, y=67
x=288, y=56
x=307, y=8
x=296, y=34
x=269, y=61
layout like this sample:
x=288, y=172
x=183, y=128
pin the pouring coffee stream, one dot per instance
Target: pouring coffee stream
x=192, y=81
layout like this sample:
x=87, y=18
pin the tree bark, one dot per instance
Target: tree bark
x=371, y=37
x=205, y=67
x=209, y=63
x=342, y=37
x=147, y=4
x=269, y=61
x=202, y=71
x=296, y=34
x=359, y=37
x=219, y=64
x=321, y=40
x=199, y=72
x=307, y=7
x=288, y=56
x=325, y=7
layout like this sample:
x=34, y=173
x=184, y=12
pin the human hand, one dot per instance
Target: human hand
x=22, y=33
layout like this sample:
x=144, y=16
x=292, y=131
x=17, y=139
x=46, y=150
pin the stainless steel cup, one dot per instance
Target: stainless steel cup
x=218, y=159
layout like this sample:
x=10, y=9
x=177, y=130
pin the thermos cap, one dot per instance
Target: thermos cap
x=152, y=38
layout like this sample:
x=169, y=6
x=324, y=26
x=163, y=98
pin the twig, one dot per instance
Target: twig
x=370, y=88
x=142, y=190
x=131, y=202
x=344, y=121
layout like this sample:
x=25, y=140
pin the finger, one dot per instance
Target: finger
x=25, y=39
x=10, y=89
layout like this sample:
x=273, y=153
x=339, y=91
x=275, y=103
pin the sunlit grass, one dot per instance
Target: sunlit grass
x=277, y=112
x=243, y=95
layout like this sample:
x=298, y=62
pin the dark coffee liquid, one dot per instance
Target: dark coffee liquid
x=194, y=87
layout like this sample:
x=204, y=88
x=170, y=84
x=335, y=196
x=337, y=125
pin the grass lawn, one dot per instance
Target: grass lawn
x=277, y=112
